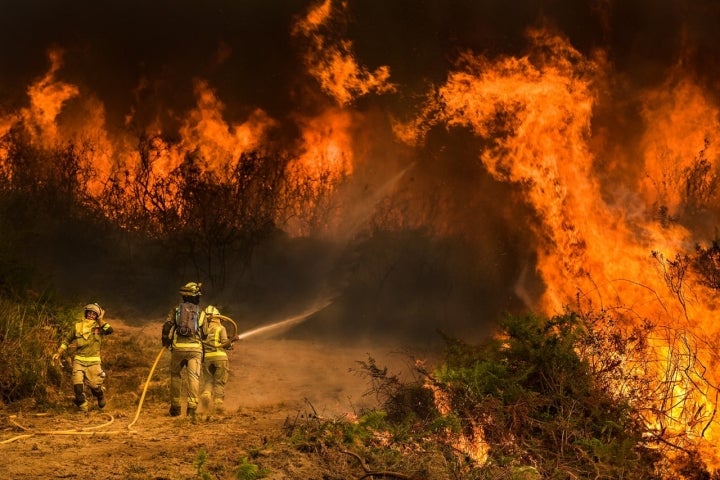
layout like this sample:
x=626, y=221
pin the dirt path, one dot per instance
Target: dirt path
x=273, y=383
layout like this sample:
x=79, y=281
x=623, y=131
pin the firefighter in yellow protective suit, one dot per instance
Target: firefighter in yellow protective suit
x=215, y=364
x=186, y=349
x=87, y=369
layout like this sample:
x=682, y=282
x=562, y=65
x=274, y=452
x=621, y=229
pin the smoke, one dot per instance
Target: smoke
x=339, y=81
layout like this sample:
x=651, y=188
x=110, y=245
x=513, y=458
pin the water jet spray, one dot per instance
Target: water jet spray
x=286, y=323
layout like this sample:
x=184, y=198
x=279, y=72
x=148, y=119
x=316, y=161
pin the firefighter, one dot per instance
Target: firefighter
x=185, y=344
x=87, y=369
x=215, y=362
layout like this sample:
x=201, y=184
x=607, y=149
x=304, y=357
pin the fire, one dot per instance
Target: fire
x=327, y=146
x=332, y=61
x=595, y=243
x=49, y=101
x=683, y=121
x=47, y=97
x=324, y=161
x=609, y=218
x=6, y=124
x=220, y=145
x=539, y=116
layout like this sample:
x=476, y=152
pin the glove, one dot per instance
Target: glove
x=237, y=338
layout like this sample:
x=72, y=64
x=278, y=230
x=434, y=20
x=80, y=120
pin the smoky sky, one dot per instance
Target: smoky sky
x=246, y=51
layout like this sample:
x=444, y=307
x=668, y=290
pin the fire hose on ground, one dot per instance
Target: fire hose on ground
x=81, y=431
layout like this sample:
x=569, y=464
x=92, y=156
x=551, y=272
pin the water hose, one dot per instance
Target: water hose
x=82, y=431
x=87, y=430
x=147, y=382
x=231, y=322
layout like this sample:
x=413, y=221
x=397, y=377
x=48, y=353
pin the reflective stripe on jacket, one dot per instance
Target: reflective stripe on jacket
x=88, y=337
x=216, y=342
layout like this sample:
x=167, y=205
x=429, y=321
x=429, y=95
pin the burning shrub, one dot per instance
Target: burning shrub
x=534, y=400
x=707, y=263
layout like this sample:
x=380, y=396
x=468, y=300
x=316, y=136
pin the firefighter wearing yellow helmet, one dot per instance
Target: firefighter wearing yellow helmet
x=88, y=335
x=182, y=333
x=215, y=364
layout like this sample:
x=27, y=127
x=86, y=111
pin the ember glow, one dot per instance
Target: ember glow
x=596, y=157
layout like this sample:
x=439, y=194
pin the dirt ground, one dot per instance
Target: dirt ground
x=274, y=383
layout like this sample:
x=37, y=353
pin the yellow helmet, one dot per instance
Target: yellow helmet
x=93, y=307
x=191, y=289
x=210, y=311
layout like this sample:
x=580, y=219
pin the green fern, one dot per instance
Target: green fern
x=249, y=471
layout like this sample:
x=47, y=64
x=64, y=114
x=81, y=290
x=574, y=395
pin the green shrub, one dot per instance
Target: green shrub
x=249, y=471
x=28, y=338
x=535, y=400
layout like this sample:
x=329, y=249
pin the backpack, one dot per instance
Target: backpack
x=186, y=319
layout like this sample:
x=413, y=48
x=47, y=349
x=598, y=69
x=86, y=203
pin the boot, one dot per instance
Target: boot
x=99, y=394
x=191, y=414
x=174, y=410
x=80, y=400
x=219, y=406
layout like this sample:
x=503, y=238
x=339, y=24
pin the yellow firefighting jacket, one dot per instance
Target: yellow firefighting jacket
x=87, y=334
x=216, y=341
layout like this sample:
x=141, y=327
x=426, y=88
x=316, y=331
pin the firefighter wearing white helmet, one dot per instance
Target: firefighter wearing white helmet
x=215, y=363
x=88, y=335
x=182, y=333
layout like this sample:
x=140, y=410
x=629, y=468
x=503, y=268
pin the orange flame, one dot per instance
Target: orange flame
x=47, y=97
x=537, y=111
x=333, y=64
x=324, y=160
x=682, y=120
x=220, y=145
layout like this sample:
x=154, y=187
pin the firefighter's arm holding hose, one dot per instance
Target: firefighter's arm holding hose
x=219, y=337
x=228, y=344
x=225, y=342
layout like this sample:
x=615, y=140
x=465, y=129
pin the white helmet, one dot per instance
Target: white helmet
x=93, y=307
